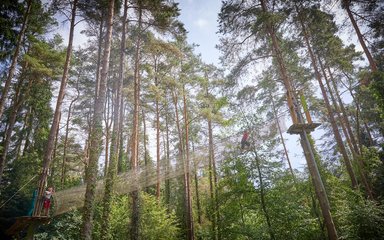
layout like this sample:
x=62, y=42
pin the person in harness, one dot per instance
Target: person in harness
x=47, y=200
x=244, y=140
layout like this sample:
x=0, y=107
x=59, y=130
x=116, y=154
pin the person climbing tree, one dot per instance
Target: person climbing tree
x=244, y=140
x=47, y=200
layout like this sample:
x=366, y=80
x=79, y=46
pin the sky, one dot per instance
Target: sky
x=200, y=20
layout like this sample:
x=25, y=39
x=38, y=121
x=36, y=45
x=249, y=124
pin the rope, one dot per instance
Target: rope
x=17, y=191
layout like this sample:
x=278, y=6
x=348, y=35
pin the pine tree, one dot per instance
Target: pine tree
x=96, y=132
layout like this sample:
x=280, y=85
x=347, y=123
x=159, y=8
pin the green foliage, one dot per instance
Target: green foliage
x=290, y=210
x=155, y=222
x=374, y=169
x=367, y=220
x=377, y=88
x=64, y=227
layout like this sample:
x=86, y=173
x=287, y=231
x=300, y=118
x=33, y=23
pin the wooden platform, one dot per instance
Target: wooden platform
x=24, y=222
x=298, y=128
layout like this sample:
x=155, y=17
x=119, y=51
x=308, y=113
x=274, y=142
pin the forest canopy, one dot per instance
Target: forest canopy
x=132, y=135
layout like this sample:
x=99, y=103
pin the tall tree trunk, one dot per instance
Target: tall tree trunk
x=97, y=133
x=47, y=159
x=312, y=167
x=167, y=159
x=116, y=132
x=99, y=52
x=145, y=147
x=135, y=219
x=54, y=153
x=107, y=123
x=181, y=150
x=187, y=189
x=345, y=116
x=262, y=197
x=281, y=133
x=64, y=167
x=12, y=67
x=120, y=165
x=157, y=137
x=198, y=205
x=64, y=162
x=331, y=117
x=28, y=133
x=18, y=101
x=337, y=109
x=212, y=178
x=343, y=124
x=371, y=61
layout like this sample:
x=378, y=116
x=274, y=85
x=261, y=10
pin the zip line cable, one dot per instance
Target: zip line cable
x=9, y=199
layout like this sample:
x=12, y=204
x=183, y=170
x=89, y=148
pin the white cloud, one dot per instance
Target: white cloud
x=201, y=23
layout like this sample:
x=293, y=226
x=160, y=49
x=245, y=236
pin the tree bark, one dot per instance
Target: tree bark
x=97, y=133
x=187, y=189
x=212, y=179
x=135, y=219
x=107, y=123
x=99, y=51
x=198, y=205
x=167, y=159
x=281, y=134
x=371, y=61
x=157, y=137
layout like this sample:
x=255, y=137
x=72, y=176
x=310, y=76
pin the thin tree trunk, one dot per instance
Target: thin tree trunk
x=99, y=51
x=336, y=132
x=12, y=68
x=362, y=171
x=190, y=227
x=157, y=137
x=262, y=197
x=312, y=167
x=281, y=134
x=114, y=153
x=107, y=131
x=47, y=159
x=120, y=165
x=145, y=148
x=55, y=151
x=28, y=134
x=135, y=219
x=181, y=152
x=198, y=205
x=63, y=167
x=97, y=133
x=212, y=178
x=18, y=101
x=167, y=151
x=371, y=61
x=337, y=109
x=345, y=116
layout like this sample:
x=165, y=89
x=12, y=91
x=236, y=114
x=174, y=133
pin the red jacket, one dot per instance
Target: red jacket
x=245, y=137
